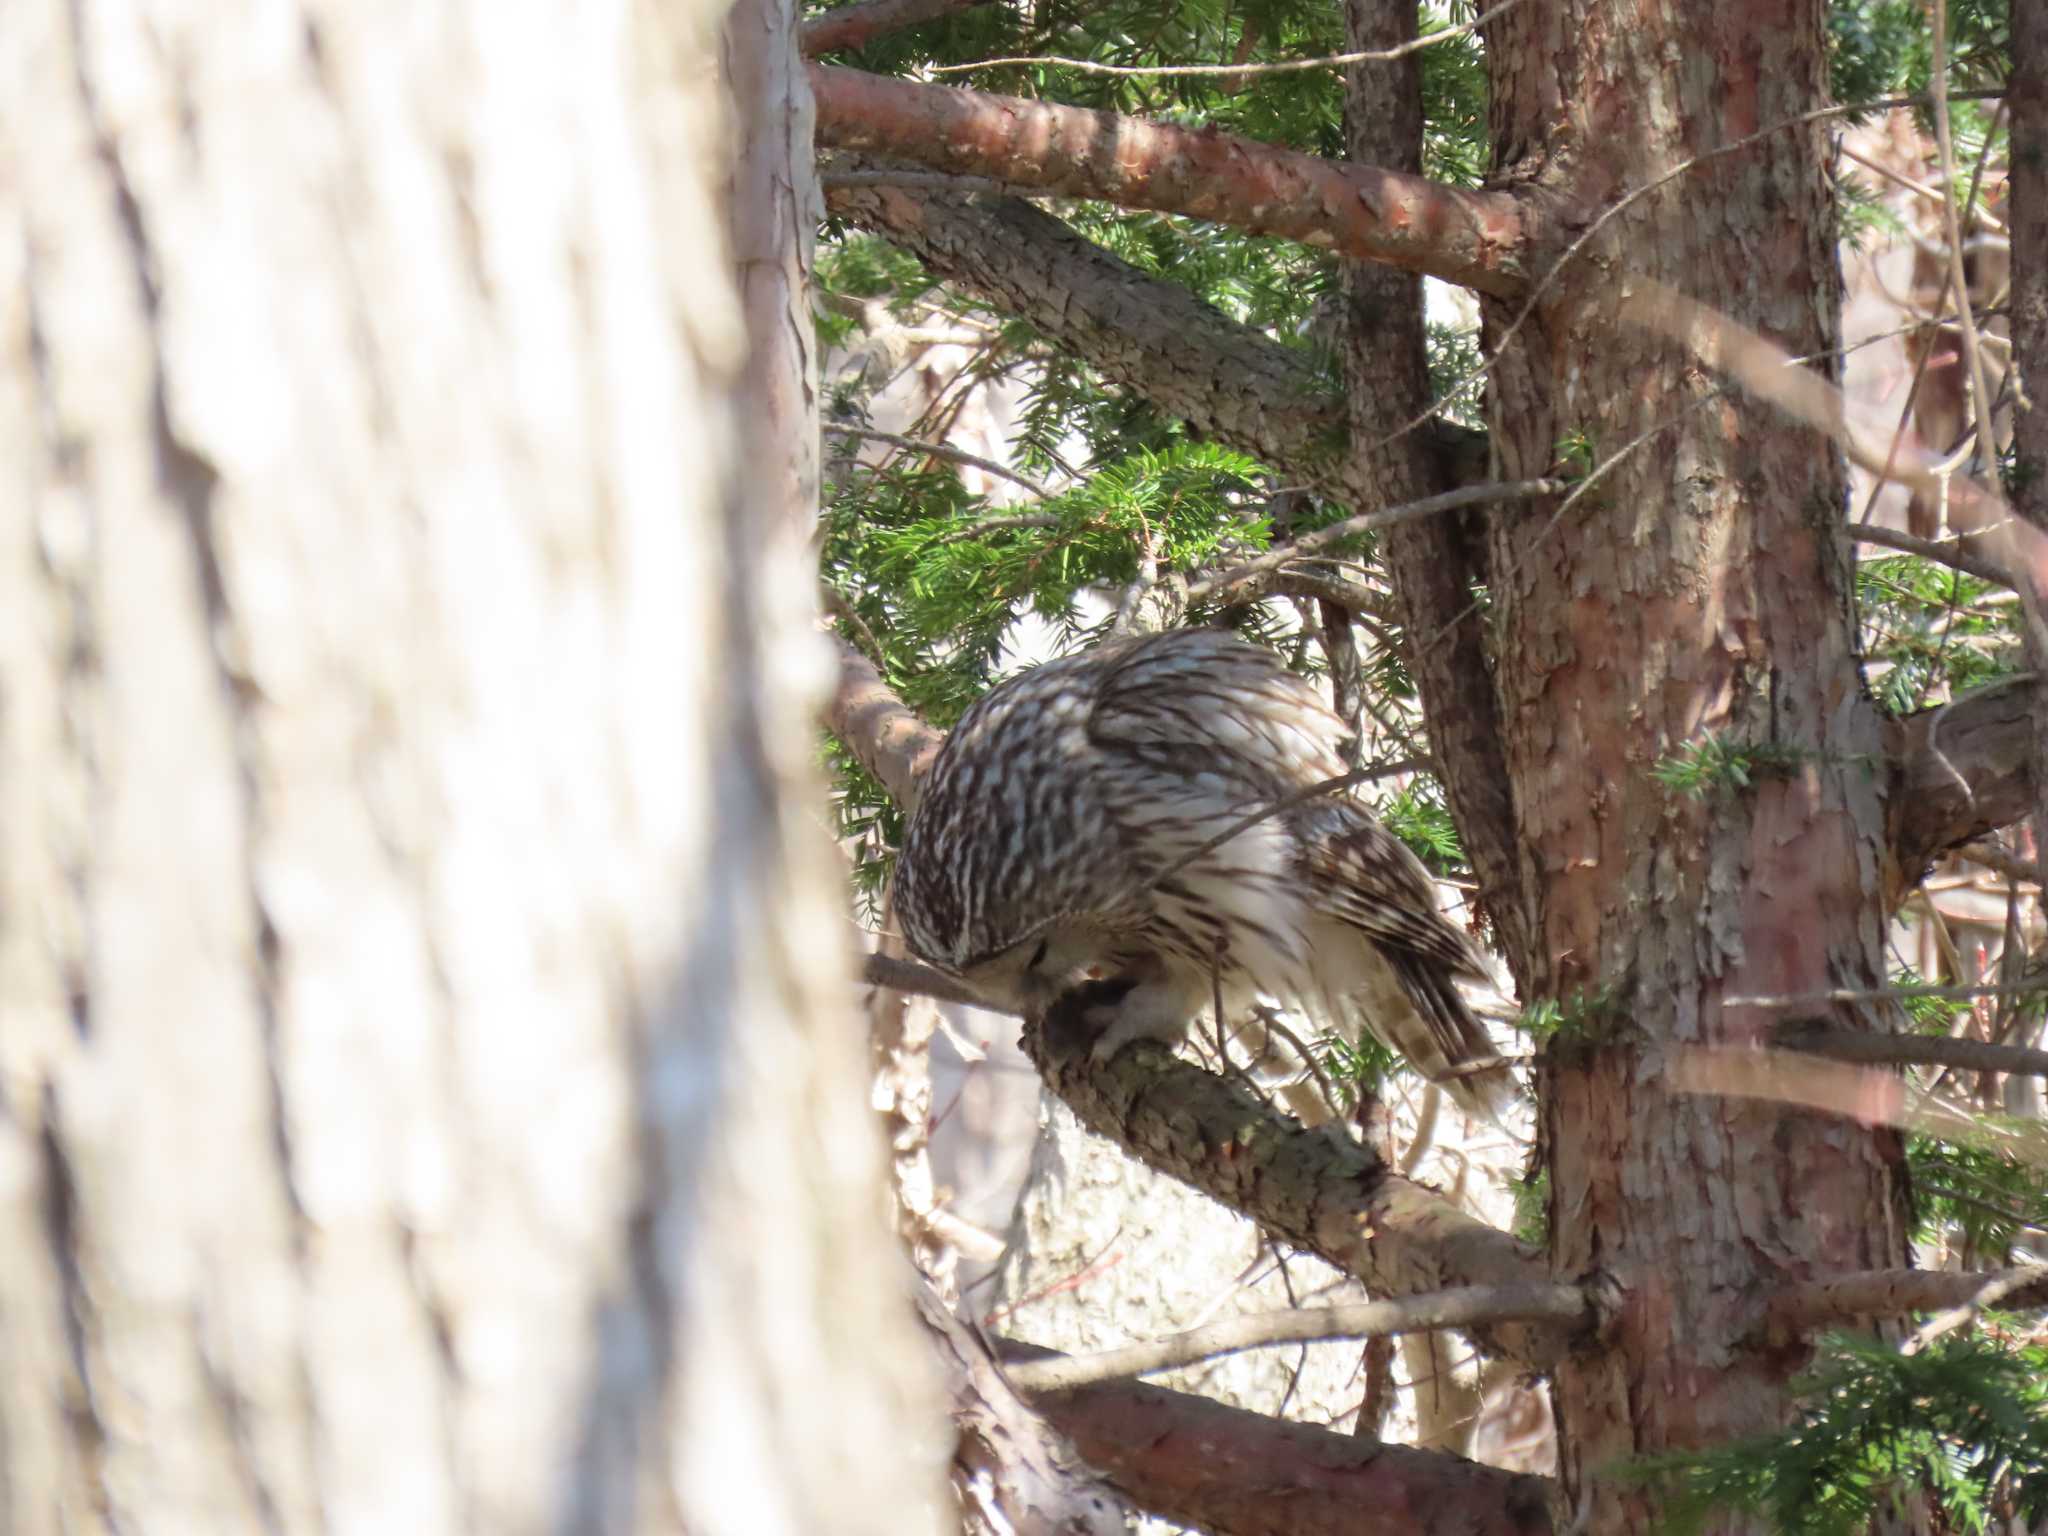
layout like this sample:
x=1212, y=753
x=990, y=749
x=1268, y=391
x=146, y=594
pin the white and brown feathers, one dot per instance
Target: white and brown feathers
x=1049, y=841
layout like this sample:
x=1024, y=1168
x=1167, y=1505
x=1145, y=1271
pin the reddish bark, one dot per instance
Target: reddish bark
x=1228, y=1469
x=1474, y=238
x=855, y=26
x=1702, y=590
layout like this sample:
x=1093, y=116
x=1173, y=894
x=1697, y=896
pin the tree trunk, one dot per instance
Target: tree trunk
x=429, y=1104
x=1698, y=590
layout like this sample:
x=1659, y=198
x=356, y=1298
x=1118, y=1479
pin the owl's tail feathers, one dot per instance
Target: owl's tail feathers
x=1456, y=1053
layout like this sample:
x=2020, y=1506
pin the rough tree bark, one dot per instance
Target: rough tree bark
x=426, y=1100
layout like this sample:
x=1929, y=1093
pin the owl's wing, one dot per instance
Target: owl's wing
x=1207, y=708
x=1367, y=877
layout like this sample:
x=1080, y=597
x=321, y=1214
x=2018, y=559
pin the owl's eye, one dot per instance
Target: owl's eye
x=1037, y=955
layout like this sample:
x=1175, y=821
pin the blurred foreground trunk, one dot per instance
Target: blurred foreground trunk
x=427, y=1096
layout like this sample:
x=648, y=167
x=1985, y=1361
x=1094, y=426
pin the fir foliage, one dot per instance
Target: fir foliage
x=1963, y=1423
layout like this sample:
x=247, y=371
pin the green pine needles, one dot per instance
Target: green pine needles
x=1962, y=1424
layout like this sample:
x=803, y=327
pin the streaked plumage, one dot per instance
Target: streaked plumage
x=1045, y=845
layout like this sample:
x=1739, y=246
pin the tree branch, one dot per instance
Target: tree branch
x=855, y=26
x=1205, y=1464
x=1221, y=584
x=1910, y=1050
x=1958, y=772
x=1896, y=1292
x=901, y=975
x=879, y=728
x=940, y=451
x=1463, y=1307
x=1476, y=239
x=1324, y=1194
x=1951, y=552
x=1226, y=380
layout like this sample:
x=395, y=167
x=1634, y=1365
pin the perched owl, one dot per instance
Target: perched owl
x=1052, y=841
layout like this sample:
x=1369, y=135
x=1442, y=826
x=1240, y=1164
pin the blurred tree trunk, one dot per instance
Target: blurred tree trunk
x=427, y=1101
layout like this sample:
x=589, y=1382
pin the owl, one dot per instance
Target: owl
x=1063, y=834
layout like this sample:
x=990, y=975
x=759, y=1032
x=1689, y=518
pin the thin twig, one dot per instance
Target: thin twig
x=1210, y=587
x=1280, y=67
x=1462, y=1307
x=1932, y=194
x=1285, y=803
x=1980, y=385
x=941, y=451
x=988, y=525
x=1874, y=995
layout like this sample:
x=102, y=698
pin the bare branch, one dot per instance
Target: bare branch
x=901, y=975
x=855, y=26
x=1897, y=1292
x=1472, y=238
x=1459, y=1308
x=941, y=451
x=1916, y=1050
x=1219, y=585
x=1996, y=1291
x=880, y=729
x=1951, y=552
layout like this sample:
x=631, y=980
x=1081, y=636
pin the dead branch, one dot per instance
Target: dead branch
x=1224, y=582
x=1913, y=1050
x=1898, y=1292
x=920, y=980
x=1463, y=1307
x=942, y=451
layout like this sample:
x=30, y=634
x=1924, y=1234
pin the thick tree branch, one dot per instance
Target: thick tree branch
x=1463, y=1307
x=855, y=26
x=1476, y=239
x=1318, y=1192
x=879, y=728
x=1226, y=380
x=1958, y=772
x=1202, y=1463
